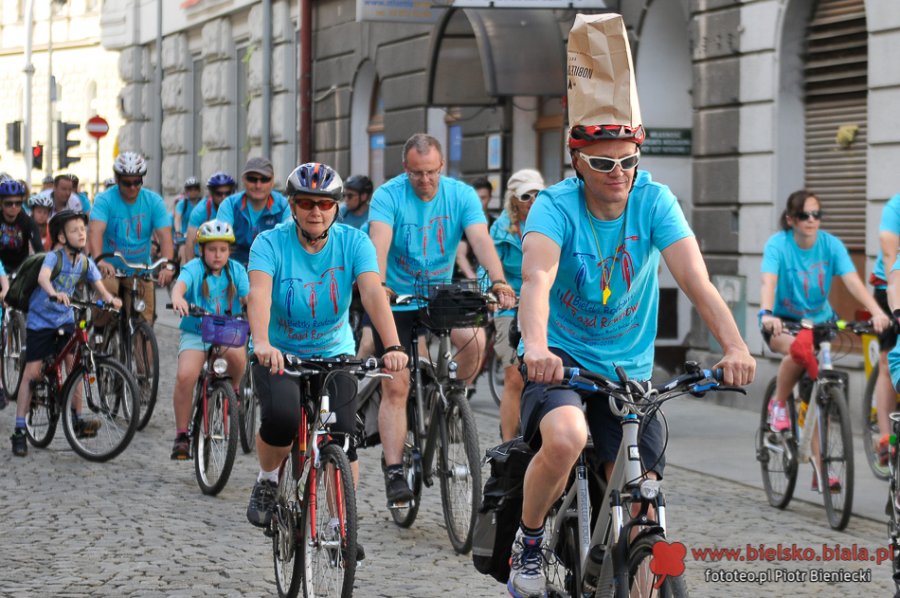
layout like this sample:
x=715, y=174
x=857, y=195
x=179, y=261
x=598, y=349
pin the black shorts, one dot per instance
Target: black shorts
x=606, y=429
x=406, y=322
x=887, y=340
x=46, y=342
x=279, y=405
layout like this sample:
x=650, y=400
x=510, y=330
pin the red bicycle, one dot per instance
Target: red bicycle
x=99, y=388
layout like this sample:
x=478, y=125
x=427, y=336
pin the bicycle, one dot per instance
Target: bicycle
x=893, y=504
x=141, y=355
x=213, y=425
x=12, y=333
x=310, y=552
x=871, y=432
x=828, y=417
x=106, y=389
x=612, y=558
x=248, y=411
x=439, y=418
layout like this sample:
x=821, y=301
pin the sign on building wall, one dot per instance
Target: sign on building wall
x=667, y=142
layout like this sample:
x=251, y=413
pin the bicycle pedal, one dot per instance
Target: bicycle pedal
x=398, y=505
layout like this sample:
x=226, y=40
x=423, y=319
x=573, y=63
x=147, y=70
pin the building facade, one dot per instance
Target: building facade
x=87, y=84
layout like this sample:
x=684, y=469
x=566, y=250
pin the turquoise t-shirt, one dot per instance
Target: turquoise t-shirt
x=804, y=275
x=622, y=332
x=354, y=220
x=184, y=207
x=43, y=313
x=509, y=250
x=426, y=233
x=192, y=276
x=890, y=222
x=311, y=292
x=204, y=211
x=129, y=227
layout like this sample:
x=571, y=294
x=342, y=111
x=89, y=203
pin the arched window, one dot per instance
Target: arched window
x=376, y=136
x=90, y=98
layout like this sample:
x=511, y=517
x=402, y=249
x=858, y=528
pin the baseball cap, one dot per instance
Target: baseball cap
x=525, y=180
x=259, y=165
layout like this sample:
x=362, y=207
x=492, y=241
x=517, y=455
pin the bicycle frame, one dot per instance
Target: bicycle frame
x=207, y=376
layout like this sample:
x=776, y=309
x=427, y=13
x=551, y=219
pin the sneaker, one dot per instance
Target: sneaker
x=395, y=486
x=526, y=575
x=778, y=417
x=884, y=449
x=181, y=449
x=834, y=482
x=19, y=443
x=86, y=428
x=262, y=502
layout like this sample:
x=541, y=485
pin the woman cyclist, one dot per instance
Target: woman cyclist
x=311, y=261
x=41, y=206
x=521, y=191
x=797, y=267
x=220, y=286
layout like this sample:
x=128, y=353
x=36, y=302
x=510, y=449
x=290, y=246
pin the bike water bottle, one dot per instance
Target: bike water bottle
x=825, y=355
x=801, y=416
x=326, y=415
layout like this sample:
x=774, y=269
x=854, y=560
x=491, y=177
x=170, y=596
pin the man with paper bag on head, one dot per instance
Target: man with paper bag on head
x=590, y=294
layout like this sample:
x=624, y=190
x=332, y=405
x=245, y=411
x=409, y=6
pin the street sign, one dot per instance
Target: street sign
x=97, y=127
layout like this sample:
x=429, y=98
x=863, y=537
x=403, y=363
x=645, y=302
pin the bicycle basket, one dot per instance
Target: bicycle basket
x=220, y=330
x=452, y=305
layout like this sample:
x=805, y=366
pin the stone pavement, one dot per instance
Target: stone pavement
x=139, y=526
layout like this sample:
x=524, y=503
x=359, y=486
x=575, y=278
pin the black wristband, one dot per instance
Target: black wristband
x=399, y=348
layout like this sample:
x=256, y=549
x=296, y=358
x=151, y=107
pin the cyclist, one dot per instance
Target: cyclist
x=18, y=234
x=64, y=194
x=220, y=286
x=797, y=267
x=41, y=205
x=220, y=185
x=4, y=287
x=521, y=191
x=46, y=183
x=885, y=397
x=357, y=195
x=110, y=182
x=256, y=209
x=124, y=219
x=290, y=266
x=465, y=258
x=82, y=195
x=589, y=298
x=416, y=222
x=49, y=312
x=181, y=216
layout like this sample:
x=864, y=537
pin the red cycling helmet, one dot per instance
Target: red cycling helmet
x=584, y=135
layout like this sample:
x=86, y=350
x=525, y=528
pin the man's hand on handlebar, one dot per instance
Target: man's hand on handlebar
x=880, y=322
x=739, y=366
x=107, y=269
x=543, y=366
x=505, y=294
x=394, y=361
x=772, y=324
x=165, y=276
x=268, y=356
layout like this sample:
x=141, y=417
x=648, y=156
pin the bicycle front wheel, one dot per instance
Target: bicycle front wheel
x=459, y=470
x=641, y=578
x=412, y=466
x=248, y=412
x=106, y=399
x=13, y=354
x=215, y=438
x=41, y=419
x=285, y=528
x=870, y=432
x=837, y=458
x=777, y=456
x=328, y=527
x=145, y=368
x=496, y=372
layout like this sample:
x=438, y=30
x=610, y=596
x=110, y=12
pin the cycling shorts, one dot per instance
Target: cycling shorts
x=887, y=340
x=46, y=342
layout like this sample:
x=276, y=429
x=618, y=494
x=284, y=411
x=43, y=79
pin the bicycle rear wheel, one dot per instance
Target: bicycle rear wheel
x=145, y=368
x=837, y=458
x=248, y=412
x=41, y=419
x=459, y=466
x=412, y=466
x=563, y=568
x=13, y=353
x=777, y=456
x=101, y=392
x=642, y=579
x=215, y=440
x=328, y=527
x=870, y=432
x=496, y=372
x=285, y=528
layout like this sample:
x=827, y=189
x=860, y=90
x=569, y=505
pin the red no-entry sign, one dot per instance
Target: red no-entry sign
x=97, y=127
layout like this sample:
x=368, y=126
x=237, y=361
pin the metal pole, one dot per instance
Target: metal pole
x=267, y=80
x=29, y=75
x=97, y=172
x=158, y=113
x=51, y=94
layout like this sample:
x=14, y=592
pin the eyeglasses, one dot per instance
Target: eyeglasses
x=192, y=188
x=306, y=203
x=132, y=183
x=605, y=164
x=220, y=192
x=12, y=204
x=813, y=215
x=257, y=179
x=423, y=174
x=525, y=197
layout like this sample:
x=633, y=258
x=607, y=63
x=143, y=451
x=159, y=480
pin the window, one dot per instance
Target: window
x=550, y=127
x=376, y=137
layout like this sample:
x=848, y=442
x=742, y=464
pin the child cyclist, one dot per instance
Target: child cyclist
x=49, y=311
x=41, y=206
x=220, y=286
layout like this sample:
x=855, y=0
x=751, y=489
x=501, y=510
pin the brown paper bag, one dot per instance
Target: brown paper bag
x=601, y=85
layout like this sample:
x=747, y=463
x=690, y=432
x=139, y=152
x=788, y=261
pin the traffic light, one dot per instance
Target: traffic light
x=65, y=144
x=14, y=136
x=37, y=156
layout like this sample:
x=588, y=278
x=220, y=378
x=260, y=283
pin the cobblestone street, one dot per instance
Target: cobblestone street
x=139, y=526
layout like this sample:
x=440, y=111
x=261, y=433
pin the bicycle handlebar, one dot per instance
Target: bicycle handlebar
x=299, y=367
x=196, y=311
x=142, y=267
x=99, y=304
x=856, y=327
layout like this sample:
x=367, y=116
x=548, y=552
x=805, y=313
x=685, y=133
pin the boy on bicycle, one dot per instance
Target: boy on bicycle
x=49, y=313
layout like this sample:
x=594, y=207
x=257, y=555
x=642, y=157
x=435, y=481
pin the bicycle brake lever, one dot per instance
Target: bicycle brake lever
x=737, y=389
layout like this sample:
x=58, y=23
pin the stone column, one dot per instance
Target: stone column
x=217, y=85
x=134, y=104
x=176, y=105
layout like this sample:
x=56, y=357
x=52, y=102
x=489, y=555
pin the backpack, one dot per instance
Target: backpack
x=501, y=508
x=26, y=280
